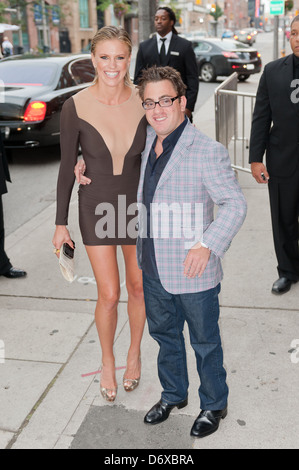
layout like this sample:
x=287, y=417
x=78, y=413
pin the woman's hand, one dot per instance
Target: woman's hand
x=79, y=173
x=61, y=236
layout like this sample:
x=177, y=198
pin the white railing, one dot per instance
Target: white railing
x=233, y=117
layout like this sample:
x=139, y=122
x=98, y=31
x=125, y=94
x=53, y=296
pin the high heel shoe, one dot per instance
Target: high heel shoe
x=130, y=384
x=109, y=394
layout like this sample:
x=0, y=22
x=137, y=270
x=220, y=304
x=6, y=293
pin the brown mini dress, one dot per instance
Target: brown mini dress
x=111, y=139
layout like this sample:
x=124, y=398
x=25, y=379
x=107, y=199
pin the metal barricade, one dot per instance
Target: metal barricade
x=233, y=116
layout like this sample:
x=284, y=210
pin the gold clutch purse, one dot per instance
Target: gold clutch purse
x=67, y=262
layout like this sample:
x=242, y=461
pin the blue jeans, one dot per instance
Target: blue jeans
x=166, y=314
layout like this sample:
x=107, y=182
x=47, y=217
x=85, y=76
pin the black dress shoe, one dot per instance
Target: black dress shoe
x=282, y=285
x=13, y=273
x=161, y=410
x=207, y=422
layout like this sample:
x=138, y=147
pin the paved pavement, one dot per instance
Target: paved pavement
x=49, y=385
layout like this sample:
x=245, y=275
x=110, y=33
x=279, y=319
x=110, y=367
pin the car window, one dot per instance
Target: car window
x=65, y=79
x=27, y=73
x=232, y=45
x=82, y=70
x=201, y=46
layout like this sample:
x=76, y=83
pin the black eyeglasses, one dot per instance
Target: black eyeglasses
x=163, y=102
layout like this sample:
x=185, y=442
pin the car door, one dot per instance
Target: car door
x=75, y=75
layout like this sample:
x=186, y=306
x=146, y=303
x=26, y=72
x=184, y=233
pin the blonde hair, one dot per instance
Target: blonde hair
x=112, y=32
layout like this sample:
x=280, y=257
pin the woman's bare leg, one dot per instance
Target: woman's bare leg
x=136, y=311
x=104, y=264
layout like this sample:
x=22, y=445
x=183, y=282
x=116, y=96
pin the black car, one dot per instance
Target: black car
x=244, y=36
x=222, y=57
x=32, y=92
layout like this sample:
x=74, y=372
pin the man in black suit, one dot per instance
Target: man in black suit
x=6, y=269
x=167, y=48
x=275, y=129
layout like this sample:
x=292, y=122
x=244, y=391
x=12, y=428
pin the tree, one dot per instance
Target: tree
x=146, y=14
x=216, y=12
x=289, y=5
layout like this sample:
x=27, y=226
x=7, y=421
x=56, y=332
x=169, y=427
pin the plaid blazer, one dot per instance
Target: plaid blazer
x=198, y=174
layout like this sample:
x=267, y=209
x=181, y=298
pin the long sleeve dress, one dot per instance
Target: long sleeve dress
x=111, y=139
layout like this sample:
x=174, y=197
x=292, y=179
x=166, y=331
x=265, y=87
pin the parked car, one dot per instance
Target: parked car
x=227, y=33
x=195, y=34
x=32, y=92
x=252, y=31
x=222, y=57
x=245, y=37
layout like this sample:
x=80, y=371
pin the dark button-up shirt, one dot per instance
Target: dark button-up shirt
x=154, y=169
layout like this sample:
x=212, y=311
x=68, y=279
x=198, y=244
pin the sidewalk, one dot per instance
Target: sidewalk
x=49, y=388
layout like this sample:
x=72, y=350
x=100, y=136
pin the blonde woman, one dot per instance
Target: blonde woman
x=108, y=122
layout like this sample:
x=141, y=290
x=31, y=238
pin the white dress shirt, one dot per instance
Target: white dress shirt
x=167, y=42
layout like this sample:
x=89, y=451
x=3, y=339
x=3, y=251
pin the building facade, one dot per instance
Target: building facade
x=236, y=14
x=39, y=25
x=68, y=26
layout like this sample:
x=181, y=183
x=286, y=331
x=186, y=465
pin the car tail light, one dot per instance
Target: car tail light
x=230, y=55
x=35, y=111
x=248, y=37
x=259, y=55
x=236, y=37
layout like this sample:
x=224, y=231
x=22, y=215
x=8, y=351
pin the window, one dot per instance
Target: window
x=65, y=80
x=84, y=13
x=27, y=73
x=82, y=71
x=201, y=47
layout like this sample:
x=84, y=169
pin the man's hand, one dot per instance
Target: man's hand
x=196, y=261
x=79, y=171
x=259, y=172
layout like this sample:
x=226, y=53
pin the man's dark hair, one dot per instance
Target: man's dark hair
x=172, y=17
x=294, y=20
x=157, y=74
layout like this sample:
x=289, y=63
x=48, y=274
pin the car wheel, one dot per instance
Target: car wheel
x=207, y=72
x=242, y=77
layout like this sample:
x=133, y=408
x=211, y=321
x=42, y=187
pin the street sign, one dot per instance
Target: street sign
x=277, y=7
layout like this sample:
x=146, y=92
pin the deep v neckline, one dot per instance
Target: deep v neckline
x=111, y=105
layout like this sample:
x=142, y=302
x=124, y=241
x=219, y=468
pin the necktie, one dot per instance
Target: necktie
x=163, y=52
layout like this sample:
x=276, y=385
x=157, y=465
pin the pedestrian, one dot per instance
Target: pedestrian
x=275, y=130
x=167, y=48
x=6, y=268
x=7, y=47
x=107, y=121
x=182, y=172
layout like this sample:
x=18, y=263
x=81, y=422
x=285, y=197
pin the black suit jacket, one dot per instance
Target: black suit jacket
x=180, y=56
x=275, y=124
x=4, y=171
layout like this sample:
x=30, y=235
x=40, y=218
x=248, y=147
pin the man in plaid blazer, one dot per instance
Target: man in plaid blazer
x=180, y=244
